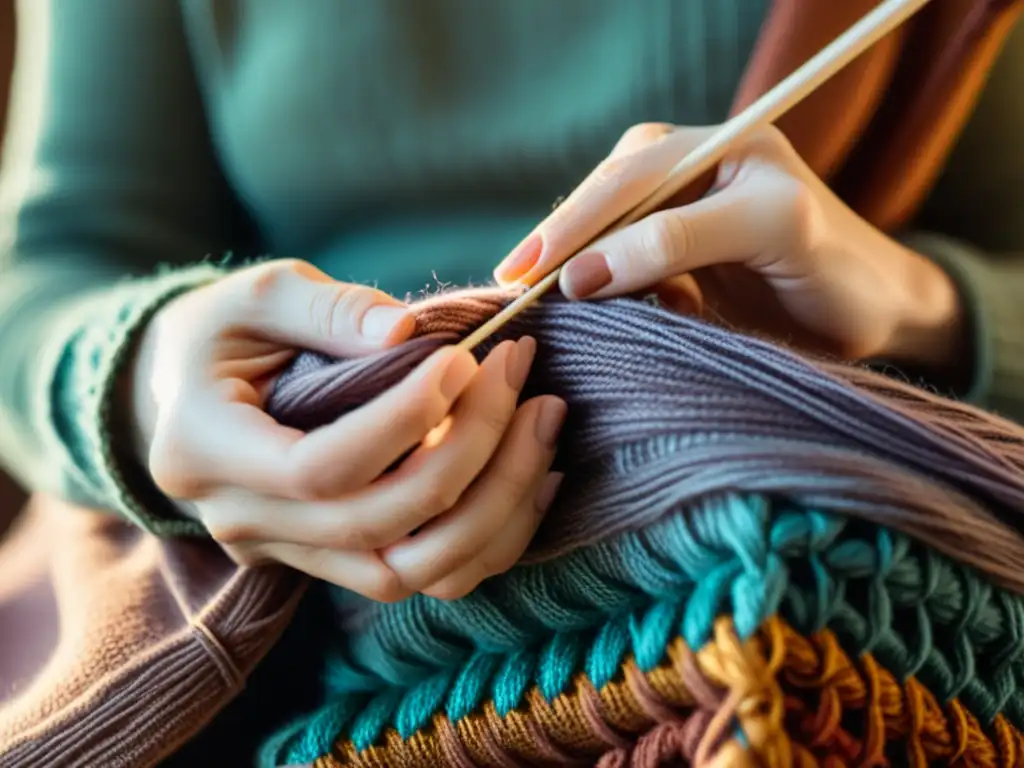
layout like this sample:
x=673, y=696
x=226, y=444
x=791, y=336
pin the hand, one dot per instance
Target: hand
x=769, y=249
x=473, y=489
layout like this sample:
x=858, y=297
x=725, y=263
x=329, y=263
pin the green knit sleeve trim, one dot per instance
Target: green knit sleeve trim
x=83, y=394
x=992, y=290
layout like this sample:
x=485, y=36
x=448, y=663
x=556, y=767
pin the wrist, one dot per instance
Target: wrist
x=929, y=324
x=136, y=395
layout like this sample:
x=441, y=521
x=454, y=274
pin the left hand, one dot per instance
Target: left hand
x=770, y=249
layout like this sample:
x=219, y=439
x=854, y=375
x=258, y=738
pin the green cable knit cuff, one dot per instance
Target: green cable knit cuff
x=90, y=362
x=993, y=294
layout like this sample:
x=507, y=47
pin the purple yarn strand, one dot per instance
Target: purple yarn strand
x=666, y=410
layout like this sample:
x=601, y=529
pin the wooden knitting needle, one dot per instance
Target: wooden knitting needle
x=875, y=25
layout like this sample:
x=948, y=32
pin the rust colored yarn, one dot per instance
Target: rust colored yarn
x=755, y=559
x=795, y=695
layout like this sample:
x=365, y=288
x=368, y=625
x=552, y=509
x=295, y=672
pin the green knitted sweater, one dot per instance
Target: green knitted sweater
x=399, y=142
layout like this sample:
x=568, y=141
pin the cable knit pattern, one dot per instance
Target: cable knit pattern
x=585, y=616
x=726, y=501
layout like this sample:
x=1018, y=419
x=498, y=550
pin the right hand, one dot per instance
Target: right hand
x=461, y=507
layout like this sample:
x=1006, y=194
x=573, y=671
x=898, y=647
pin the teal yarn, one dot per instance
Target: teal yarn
x=610, y=643
x=379, y=712
x=651, y=632
x=305, y=739
x=558, y=663
x=919, y=613
x=693, y=559
x=429, y=696
x=469, y=685
x=510, y=684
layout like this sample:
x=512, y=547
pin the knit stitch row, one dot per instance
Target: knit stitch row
x=877, y=592
x=798, y=700
x=666, y=409
x=721, y=493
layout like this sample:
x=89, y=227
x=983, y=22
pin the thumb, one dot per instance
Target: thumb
x=721, y=229
x=637, y=166
x=292, y=302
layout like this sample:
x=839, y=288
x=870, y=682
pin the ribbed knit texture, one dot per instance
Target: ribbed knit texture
x=665, y=409
x=709, y=476
x=88, y=418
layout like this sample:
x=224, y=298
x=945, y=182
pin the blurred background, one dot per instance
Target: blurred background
x=11, y=497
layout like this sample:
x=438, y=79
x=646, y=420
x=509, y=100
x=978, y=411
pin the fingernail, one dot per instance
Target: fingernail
x=586, y=274
x=520, y=261
x=518, y=362
x=550, y=421
x=461, y=367
x=548, y=491
x=382, y=322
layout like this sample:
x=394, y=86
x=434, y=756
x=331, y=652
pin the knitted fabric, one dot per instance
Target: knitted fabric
x=755, y=558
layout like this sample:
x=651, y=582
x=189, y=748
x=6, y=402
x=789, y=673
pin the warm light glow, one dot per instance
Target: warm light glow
x=437, y=435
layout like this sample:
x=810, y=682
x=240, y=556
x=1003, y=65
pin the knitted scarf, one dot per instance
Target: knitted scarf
x=708, y=474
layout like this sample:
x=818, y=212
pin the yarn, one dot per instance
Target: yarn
x=903, y=719
x=921, y=615
x=665, y=409
x=726, y=501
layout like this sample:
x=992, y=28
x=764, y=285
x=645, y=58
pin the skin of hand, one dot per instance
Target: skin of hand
x=769, y=249
x=462, y=505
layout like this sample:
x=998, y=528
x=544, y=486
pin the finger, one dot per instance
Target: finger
x=456, y=537
x=426, y=484
x=725, y=228
x=640, y=137
x=361, y=572
x=637, y=166
x=294, y=303
x=432, y=480
x=229, y=441
x=346, y=455
x=504, y=549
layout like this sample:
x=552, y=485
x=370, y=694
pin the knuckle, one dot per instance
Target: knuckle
x=308, y=481
x=452, y=589
x=264, y=279
x=801, y=216
x=436, y=496
x=769, y=139
x=349, y=531
x=512, y=483
x=385, y=587
x=456, y=556
x=416, y=414
x=359, y=537
x=664, y=239
x=611, y=170
x=505, y=562
x=495, y=418
x=645, y=133
x=335, y=311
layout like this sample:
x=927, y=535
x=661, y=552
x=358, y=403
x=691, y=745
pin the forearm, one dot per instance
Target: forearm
x=64, y=336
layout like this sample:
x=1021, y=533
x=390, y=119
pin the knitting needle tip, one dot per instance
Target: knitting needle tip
x=518, y=305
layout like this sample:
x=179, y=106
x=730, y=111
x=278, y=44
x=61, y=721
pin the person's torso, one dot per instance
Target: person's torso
x=395, y=139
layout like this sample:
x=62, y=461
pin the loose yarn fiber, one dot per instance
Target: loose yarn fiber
x=748, y=544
